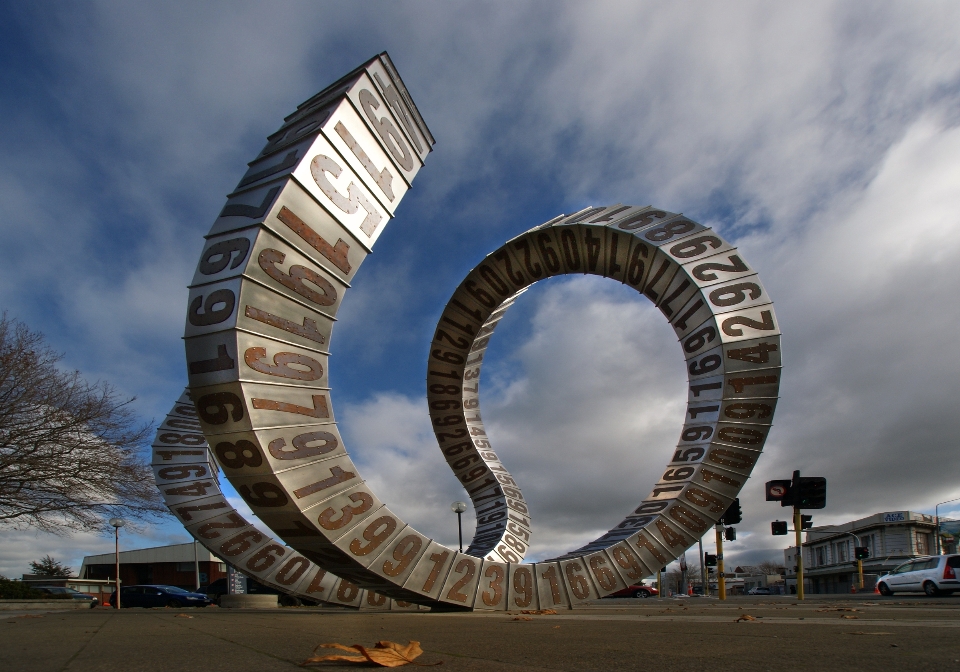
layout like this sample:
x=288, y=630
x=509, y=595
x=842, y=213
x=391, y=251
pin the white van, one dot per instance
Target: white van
x=934, y=575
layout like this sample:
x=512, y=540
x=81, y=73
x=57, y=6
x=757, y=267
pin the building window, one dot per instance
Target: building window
x=184, y=566
x=841, y=551
x=821, y=556
x=221, y=567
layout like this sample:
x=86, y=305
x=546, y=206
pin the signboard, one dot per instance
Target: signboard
x=897, y=517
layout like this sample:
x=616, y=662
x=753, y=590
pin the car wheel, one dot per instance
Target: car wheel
x=174, y=604
x=642, y=594
x=884, y=590
x=931, y=590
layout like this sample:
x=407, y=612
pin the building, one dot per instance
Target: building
x=162, y=565
x=98, y=589
x=891, y=538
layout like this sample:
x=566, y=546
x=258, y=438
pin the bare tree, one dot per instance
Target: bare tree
x=71, y=452
x=770, y=567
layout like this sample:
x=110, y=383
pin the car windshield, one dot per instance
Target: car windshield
x=174, y=590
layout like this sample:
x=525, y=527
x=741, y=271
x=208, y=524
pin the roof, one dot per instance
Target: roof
x=172, y=553
x=817, y=534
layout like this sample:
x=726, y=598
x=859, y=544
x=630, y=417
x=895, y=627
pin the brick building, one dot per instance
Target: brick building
x=162, y=565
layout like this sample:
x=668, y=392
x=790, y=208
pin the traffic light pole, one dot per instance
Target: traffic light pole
x=721, y=581
x=797, y=528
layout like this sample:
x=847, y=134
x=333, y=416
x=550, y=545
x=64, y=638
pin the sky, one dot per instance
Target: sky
x=822, y=138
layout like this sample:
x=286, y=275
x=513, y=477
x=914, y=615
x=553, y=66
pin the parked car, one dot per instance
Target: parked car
x=158, y=596
x=218, y=588
x=934, y=575
x=75, y=594
x=636, y=590
x=758, y=590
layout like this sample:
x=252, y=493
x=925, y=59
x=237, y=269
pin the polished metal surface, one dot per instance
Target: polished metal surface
x=273, y=272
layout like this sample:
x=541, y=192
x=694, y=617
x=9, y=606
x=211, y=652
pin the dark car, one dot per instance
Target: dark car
x=158, y=596
x=75, y=594
x=219, y=588
x=636, y=590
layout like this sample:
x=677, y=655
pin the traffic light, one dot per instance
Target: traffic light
x=709, y=560
x=730, y=533
x=733, y=514
x=778, y=527
x=806, y=522
x=811, y=492
x=861, y=552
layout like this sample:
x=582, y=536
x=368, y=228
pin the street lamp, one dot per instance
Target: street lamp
x=117, y=523
x=937, y=512
x=458, y=508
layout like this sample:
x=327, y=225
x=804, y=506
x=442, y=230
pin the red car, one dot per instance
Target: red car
x=637, y=590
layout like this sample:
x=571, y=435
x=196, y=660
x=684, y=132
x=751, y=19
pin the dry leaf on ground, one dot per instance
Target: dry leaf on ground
x=745, y=617
x=849, y=616
x=522, y=618
x=183, y=616
x=30, y=616
x=861, y=632
x=383, y=653
x=540, y=612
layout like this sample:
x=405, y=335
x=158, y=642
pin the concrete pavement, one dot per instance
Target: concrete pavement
x=902, y=633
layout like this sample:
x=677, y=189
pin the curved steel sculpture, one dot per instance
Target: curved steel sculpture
x=271, y=277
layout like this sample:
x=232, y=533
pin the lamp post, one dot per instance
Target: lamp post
x=458, y=508
x=937, y=512
x=117, y=523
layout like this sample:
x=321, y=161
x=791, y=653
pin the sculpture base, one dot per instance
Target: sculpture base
x=248, y=601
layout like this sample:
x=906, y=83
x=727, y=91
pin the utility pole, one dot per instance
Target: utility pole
x=703, y=572
x=798, y=529
x=721, y=581
x=196, y=567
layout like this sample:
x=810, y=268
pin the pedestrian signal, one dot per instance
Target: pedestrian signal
x=778, y=527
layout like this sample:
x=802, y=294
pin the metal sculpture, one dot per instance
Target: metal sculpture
x=271, y=277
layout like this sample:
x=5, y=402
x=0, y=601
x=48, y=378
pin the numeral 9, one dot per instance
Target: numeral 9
x=403, y=553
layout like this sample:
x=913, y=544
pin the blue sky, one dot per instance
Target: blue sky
x=822, y=137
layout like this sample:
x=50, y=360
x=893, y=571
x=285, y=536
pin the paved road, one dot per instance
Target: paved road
x=902, y=633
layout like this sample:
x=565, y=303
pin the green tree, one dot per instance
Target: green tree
x=50, y=567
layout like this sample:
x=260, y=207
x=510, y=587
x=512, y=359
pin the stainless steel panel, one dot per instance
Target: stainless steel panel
x=383, y=123
x=641, y=219
x=689, y=519
x=509, y=267
x=628, y=564
x=736, y=294
x=703, y=337
x=694, y=248
x=670, y=535
x=756, y=411
x=525, y=251
x=721, y=267
x=201, y=509
x=264, y=561
x=304, y=123
x=346, y=593
x=603, y=571
x=578, y=581
x=236, y=548
x=693, y=316
x=365, y=542
x=720, y=481
x=688, y=454
x=710, y=504
x=711, y=388
x=676, y=295
x=742, y=325
x=493, y=588
x=172, y=451
x=616, y=254
x=570, y=248
x=263, y=311
x=550, y=586
x=280, y=267
x=212, y=308
x=750, y=355
x=671, y=231
x=330, y=180
x=339, y=515
x=315, y=482
x=176, y=423
x=460, y=586
x=703, y=411
x=661, y=272
x=227, y=408
x=401, y=109
x=522, y=587
x=175, y=494
x=299, y=220
x=319, y=584
x=707, y=364
x=399, y=558
x=225, y=256
x=374, y=601
x=357, y=145
x=747, y=436
x=249, y=208
x=275, y=166
x=755, y=383
x=294, y=528
x=428, y=577
x=291, y=573
x=638, y=264
x=166, y=474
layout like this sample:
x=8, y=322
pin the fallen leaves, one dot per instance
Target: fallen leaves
x=745, y=617
x=383, y=654
x=849, y=616
x=861, y=632
x=540, y=612
x=29, y=616
x=522, y=618
x=183, y=616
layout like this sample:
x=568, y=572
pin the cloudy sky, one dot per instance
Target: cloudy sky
x=821, y=137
